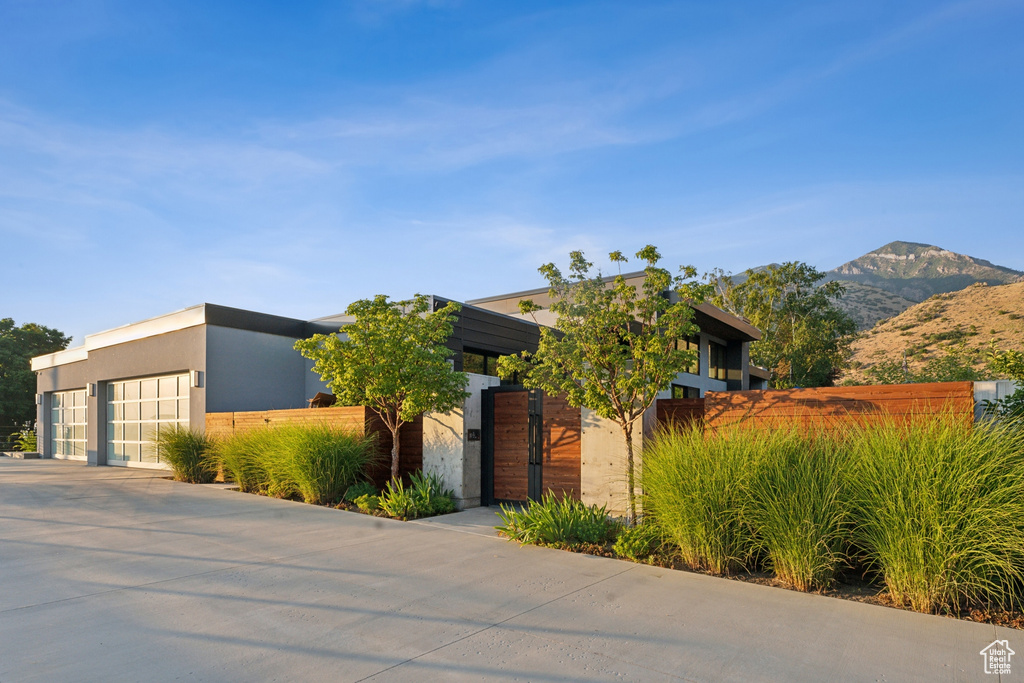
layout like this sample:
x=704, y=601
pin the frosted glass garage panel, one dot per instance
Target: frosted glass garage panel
x=68, y=420
x=138, y=410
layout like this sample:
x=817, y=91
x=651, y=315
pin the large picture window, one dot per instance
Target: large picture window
x=716, y=361
x=136, y=412
x=691, y=344
x=68, y=420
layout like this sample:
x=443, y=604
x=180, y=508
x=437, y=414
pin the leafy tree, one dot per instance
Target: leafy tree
x=614, y=345
x=1008, y=363
x=805, y=337
x=18, y=345
x=393, y=361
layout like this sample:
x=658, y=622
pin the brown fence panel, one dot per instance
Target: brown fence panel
x=226, y=424
x=410, y=448
x=679, y=412
x=358, y=419
x=511, y=445
x=561, y=453
x=220, y=425
x=827, y=406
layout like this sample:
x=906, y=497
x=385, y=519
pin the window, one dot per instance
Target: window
x=68, y=419
x=716, y=361
x=680, y=391
x=484, y=363
x=687, y=344
x=480, y=363
x=136, y=412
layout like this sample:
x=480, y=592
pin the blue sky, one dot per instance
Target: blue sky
x=293, y=157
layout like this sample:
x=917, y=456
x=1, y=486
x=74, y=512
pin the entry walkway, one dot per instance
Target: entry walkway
x=112, y=574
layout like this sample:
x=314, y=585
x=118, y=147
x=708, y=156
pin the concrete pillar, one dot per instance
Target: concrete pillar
x=603, y=462
x=447, y=449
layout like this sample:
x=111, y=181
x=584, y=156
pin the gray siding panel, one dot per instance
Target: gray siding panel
x=253, y=371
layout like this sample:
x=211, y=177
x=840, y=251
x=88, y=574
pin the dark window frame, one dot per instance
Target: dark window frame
x=683, y=391
x=717, y=361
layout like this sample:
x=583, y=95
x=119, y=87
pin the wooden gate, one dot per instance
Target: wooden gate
x=530, y=444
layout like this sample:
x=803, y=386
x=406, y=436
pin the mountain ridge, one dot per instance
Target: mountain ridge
x=915, y=271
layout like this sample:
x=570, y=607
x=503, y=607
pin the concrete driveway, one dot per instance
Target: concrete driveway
x=113, y=574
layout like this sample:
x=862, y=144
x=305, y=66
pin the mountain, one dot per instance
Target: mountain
x=887, y=281
x=867, y=304
x=917, y=271
x=974, y=315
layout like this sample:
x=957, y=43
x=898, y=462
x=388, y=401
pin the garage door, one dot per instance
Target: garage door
x=68, y=419
x=137, y=410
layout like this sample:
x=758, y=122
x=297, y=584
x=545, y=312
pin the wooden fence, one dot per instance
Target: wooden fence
x=357, y=419
x=680, y=412
x=825, y=406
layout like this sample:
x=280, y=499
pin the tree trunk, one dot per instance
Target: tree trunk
x=394, y=452
x=627, y=431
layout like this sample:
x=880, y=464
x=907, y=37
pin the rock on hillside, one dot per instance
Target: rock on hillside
x=974, y=315
x=917, y=271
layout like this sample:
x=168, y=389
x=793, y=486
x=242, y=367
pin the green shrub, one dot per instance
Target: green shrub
x=243, y=458
x=552, y=521
x=360, y=489
x=316, y=462
x=397, y=501
x=368, y=502
x=939, y=511
x=429, y=495
x=26, y=440
x=188, y=452
x=639, y=542
x=424, y=497
x=796, y=505
x=319, y=461
x=695, y=491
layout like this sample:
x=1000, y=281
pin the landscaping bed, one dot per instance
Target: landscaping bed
x=926, y=515
x=317, y=464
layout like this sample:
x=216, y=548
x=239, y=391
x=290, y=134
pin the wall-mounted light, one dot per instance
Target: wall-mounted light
x=92, y=388
x=39, y=399
x=196, y=378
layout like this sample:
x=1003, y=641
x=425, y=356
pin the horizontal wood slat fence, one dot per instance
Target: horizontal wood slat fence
x=358, y=419
x=680, y=412
x=824, y=406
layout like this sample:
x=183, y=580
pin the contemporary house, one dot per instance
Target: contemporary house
x=105, y=400
x=723, y=343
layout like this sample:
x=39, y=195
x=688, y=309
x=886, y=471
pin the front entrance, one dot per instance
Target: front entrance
x=530, y=445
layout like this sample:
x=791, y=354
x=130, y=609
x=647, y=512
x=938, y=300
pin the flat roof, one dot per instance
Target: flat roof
x=193, y=316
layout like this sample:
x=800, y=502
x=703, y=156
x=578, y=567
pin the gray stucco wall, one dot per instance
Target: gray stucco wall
x=175, y=352
x=253, y=371
x=313, y=383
